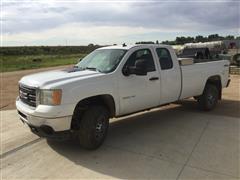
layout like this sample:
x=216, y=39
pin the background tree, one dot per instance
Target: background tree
x=200, y=38
x=229, y=37
x=145, y=42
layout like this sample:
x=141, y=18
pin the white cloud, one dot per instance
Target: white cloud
x=55, y=22
x=76, y=34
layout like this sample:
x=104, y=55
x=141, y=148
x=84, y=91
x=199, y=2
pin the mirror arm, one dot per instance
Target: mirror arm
x=126, y=71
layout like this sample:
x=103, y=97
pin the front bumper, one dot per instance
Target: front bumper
x=46, y=127
x=49, y=133
x=62, y=123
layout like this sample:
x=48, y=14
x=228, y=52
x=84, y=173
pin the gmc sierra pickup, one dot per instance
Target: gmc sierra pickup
x=111, y=82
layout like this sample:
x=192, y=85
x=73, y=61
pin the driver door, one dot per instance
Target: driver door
x=139, y=92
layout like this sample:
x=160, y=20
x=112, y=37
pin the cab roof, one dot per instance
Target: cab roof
x=127, y=47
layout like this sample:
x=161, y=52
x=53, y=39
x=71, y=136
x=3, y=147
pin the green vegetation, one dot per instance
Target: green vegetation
x=21, y=62
x=145, y=42
x=29, y=57
x=183, y=40
x=213, y=37
x=47, y=50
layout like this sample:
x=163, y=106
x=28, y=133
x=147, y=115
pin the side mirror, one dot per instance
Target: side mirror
x=139, y=68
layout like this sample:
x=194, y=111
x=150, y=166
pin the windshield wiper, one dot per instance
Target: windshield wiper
x=87, y=68
x=91, y=68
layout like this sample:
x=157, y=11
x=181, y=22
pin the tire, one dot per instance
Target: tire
x=208, y=100
x=93, y=127
x=236, y=59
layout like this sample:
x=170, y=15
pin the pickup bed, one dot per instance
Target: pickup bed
x=114, y=81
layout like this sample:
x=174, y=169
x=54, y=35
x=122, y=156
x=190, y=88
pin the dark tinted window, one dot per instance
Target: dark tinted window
x=142, y=54
x=164, y=58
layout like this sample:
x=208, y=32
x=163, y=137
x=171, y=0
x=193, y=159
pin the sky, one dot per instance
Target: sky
x=105, y=22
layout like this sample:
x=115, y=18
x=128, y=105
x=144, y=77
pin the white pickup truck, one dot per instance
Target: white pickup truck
x=111, y=82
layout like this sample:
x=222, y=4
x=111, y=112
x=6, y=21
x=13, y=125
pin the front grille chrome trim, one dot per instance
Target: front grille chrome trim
x=28, y=95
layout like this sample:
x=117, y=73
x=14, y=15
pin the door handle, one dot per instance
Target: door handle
x=153, y=79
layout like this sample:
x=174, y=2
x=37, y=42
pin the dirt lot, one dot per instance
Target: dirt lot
x=172, y=142
x=9, y=85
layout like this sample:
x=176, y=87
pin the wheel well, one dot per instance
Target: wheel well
x=235, y=56
x=105, y=100
x=235, y=60
x=216, y=80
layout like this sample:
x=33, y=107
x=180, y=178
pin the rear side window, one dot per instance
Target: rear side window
x=142, y=54
x=165, y=58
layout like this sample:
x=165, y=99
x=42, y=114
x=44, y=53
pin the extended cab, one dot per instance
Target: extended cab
x=111, y=82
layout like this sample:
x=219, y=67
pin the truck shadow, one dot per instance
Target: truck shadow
x=167, y=134
x=225, y=107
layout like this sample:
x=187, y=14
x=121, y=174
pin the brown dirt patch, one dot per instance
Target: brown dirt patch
x=9, y=85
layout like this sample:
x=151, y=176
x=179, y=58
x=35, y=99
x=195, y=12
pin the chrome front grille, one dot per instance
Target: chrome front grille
x=27, y=95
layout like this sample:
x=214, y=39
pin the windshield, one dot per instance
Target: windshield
x=102, y=60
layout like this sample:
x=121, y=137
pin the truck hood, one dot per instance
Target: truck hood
x=49, y=77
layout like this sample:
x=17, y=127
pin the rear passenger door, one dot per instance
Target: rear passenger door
x=170, y=75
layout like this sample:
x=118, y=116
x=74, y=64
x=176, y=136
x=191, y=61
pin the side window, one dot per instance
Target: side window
x=142, y=54
x=165, y=58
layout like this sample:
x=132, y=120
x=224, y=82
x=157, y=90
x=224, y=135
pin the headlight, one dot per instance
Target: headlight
x=50, y=97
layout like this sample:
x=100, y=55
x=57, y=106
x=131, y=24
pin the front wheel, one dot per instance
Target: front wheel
x=208, y=100
x=93, y=127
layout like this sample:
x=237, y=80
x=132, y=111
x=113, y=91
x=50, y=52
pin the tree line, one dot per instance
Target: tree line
x=65, y=50
x=47, y=50
x=183, y=40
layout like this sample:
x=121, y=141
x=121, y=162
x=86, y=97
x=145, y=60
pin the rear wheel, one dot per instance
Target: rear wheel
x=208, y=100
x=93, y=127
x=236, y=59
